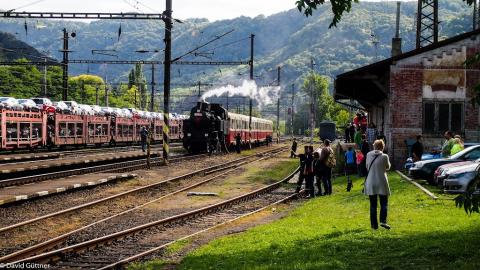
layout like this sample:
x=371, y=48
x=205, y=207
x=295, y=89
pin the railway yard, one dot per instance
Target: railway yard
x=73, y=210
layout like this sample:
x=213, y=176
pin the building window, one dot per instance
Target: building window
x=439, y=116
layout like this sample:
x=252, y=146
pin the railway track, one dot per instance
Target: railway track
x=79, y=149
x=118, y=248
x=110, y=165
x=156, y=191
x=51, y=155
x=107, y=164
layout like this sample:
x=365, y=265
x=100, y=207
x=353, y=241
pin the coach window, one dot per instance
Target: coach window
x=79, y=129
x=63, y=129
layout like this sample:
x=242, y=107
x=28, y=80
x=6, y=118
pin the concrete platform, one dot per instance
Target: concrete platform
x=28, y=157
x=27, y=192
x=67, y=161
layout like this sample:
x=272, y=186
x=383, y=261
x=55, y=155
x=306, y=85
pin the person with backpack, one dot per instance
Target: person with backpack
x=376, y=184
x=328, y=162
x=350, y=166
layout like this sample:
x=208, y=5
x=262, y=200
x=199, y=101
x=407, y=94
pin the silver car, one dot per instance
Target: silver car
x=460, y=178
x=28, y=104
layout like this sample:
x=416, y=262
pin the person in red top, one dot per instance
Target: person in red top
x=357, y=119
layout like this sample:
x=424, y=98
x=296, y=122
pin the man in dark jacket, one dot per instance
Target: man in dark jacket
x=417, y=149
x=294, y=148
x=301, y=174
x=238, y=142
x=309, y=173
x=143, y=137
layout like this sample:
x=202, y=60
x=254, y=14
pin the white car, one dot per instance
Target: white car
x=28, y=104
x=10, y=103
x=62, y=107
x=97, y=110
x=119, y=112
x=44, y=104
x=85, y=109
x=107, y=110
x=72, y=106
x=127, y=113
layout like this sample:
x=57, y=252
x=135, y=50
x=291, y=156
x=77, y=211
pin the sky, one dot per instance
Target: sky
x=182, y=9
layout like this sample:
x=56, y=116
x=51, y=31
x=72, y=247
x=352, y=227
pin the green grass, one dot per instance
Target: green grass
x=276, y=173
x=334, y=233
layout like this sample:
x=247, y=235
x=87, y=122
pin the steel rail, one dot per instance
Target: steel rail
x=41, y=247
x=204, y=171
x=56, y=255
x=138, y=256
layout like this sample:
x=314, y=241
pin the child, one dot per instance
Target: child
x=350, y=160
x=359, y=161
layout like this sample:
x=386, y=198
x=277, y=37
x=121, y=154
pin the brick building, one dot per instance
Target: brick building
x=424, y=91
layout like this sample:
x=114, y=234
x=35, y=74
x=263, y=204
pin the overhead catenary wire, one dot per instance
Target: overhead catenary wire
x=26, y=5
x=201, y=46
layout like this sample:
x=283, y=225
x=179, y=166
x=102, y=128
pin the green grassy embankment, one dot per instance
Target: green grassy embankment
x=334, y=233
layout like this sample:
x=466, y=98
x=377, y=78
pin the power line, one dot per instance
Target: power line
x=203, y=45
x=27, y=5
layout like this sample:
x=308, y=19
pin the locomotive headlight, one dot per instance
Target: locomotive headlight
x=206, y=134
x=189, y=134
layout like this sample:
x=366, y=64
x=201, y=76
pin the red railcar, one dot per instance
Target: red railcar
x=122, y=130
x=238, y=123
x=28, y=130
x=22, y=129
x=99, y=129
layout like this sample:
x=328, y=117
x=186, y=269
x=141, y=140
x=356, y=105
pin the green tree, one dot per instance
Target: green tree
x=339, y=7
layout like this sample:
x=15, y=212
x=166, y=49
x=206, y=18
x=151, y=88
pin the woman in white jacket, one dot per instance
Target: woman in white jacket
x=376, y=184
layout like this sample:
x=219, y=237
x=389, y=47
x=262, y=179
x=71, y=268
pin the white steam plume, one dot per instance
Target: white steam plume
x=263, y=95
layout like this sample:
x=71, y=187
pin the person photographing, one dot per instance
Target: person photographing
x=376, y=184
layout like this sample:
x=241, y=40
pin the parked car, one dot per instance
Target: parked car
x=85, y=109
x=10, y=103
x=443, y=171
x=28, y=104
x=97, y=110
x=107, y=110
x=44, y=104
x=72, y=106
x=459, y=179
x=62, y=107
x=425, y=169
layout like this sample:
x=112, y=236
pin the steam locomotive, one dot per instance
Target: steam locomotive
x=211, y=126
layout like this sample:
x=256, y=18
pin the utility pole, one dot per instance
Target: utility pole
x=199, y=90
x=278, y=104
x=152, y=94
x=312, y=103
x=252, y=38
x=65, y=65
x=166, y=79
x=96, y=94
x=106, y=95
x=291, y=121
x=45, y=78
x=82, y=89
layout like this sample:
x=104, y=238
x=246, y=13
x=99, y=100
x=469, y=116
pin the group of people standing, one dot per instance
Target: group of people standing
x=452, y=145
x=315, y=169
x=317, y=165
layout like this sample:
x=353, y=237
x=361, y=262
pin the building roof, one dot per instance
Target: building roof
x=369, y=84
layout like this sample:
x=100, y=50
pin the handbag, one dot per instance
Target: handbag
x=369, y=167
